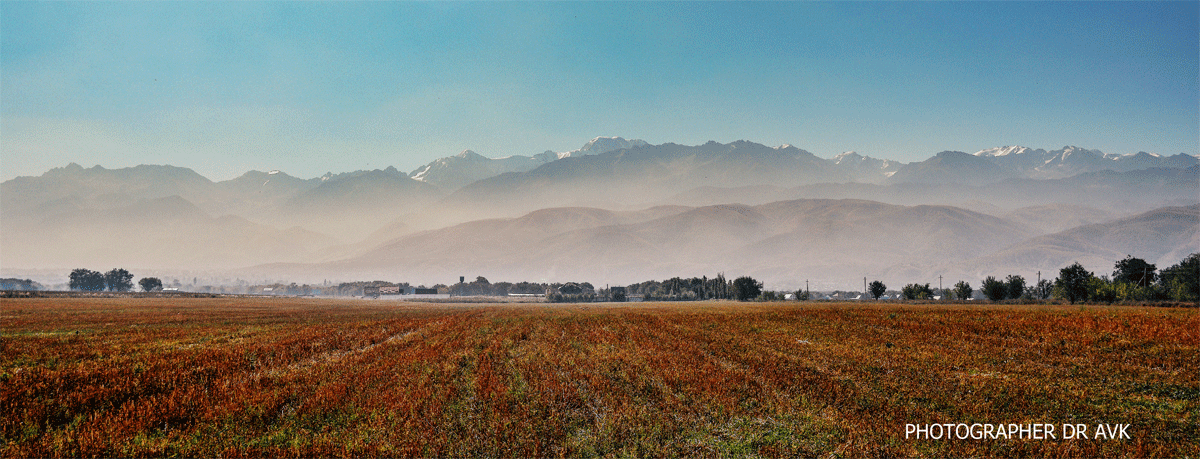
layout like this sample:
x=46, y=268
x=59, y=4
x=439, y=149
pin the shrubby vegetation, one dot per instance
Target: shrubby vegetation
x=19, y=284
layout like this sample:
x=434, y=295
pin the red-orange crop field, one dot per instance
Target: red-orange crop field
x=310, y=377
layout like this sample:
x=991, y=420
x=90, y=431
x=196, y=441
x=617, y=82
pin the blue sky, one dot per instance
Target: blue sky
x=311, y=87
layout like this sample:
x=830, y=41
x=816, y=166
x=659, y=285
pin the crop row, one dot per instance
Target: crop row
x=236, y=377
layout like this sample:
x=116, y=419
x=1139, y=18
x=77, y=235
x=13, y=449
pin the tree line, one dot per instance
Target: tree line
x=1133, y=279
x=115, y=280
x=744, y=288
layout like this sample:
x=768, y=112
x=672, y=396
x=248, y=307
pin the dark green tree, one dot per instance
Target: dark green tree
x=746, y=288
x=877, y=289
x=917, y=292
x=1073, y=283
x=1016, y=286
x=994, y=289
x=962, y=290
x=150, y=283
x=1181, y=282
x=1134, y=271
x=118, y=280
x=86, y=279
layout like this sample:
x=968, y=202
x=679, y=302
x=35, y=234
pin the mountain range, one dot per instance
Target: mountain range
x=614, y=210
x=454, y=172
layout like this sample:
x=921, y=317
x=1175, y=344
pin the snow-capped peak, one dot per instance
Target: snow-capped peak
x=420, y=174
x=1003, y=151
x=1069, y=150
x=600, y=145
x=848, y=157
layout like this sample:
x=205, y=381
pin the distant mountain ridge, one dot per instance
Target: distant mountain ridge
x=605, y=169
x=865, y=168
x=1018, y=161
x=951, y=167
x=270, y=216
x=454, y=172
x=639, y=177
x=1071, y=160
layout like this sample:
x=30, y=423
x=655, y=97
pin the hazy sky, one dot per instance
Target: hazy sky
x=225, y=87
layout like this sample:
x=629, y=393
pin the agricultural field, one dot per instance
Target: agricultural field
x=312, y=377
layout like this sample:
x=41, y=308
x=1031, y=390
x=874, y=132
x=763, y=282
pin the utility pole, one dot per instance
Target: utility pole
x=940, y=285
x=865, y=287
x=807, y=294
x=1038, y=286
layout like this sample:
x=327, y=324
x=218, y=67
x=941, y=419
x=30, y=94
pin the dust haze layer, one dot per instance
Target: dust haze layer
x=831, y=243
x=618, y=211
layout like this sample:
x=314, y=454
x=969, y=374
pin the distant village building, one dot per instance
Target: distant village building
x=400, y=292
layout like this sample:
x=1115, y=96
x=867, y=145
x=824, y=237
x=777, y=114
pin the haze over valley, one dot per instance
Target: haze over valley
x=617, y=211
